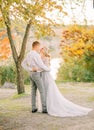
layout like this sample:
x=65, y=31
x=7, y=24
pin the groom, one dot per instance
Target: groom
x=33, y=60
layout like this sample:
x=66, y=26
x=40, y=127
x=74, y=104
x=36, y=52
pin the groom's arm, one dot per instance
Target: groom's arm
x=26, y=65
x=40, y=63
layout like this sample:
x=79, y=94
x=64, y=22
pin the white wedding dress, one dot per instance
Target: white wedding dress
x=57, y=104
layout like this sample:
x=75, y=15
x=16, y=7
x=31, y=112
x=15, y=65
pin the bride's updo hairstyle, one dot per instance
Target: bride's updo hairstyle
x=45, y=51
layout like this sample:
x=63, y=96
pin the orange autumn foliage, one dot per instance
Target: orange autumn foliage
x=77, y=40
x=5, y=50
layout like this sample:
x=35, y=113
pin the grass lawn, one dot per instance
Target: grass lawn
x=15, y=110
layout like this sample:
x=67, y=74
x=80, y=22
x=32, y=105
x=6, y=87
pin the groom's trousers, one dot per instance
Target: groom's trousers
x=37, y=83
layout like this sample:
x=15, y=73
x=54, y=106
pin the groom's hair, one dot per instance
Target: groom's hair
x=35, y=43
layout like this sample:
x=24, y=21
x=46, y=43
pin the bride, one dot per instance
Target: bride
x=57, y=104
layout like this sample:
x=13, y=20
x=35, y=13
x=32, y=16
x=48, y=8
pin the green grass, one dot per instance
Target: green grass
x=91, y=99
x=7, y=114
x=4, y=101
x=18, y=107
x=12, y=104
x=10, y=107
x=63, y=81
x=18, y=96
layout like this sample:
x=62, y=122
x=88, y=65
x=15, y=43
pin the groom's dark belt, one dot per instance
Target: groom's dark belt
x=37, y=71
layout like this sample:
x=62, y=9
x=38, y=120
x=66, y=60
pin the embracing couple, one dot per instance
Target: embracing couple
x=37, y=63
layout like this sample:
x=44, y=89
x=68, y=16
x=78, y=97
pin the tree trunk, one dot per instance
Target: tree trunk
x=20, y=80
x=17, y=59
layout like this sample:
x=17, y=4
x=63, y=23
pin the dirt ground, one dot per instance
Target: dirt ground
x=15, y=110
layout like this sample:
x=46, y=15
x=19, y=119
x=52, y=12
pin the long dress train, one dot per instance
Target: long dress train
x=57, y=104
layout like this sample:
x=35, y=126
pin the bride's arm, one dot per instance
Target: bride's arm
x=48, y=60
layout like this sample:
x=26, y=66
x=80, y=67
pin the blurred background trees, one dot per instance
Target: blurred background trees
x=77, y=50
x=5, y=50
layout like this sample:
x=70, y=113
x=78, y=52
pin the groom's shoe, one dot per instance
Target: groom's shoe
x=34, y=110
x=44, y=111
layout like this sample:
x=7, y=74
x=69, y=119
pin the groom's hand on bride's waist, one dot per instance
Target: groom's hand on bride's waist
x=35, y=69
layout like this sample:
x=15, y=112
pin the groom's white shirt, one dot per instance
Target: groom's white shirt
x=33, y=59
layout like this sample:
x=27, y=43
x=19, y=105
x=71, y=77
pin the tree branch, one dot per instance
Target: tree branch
x=7, y=24
x=14, y=52
x=23, y=48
